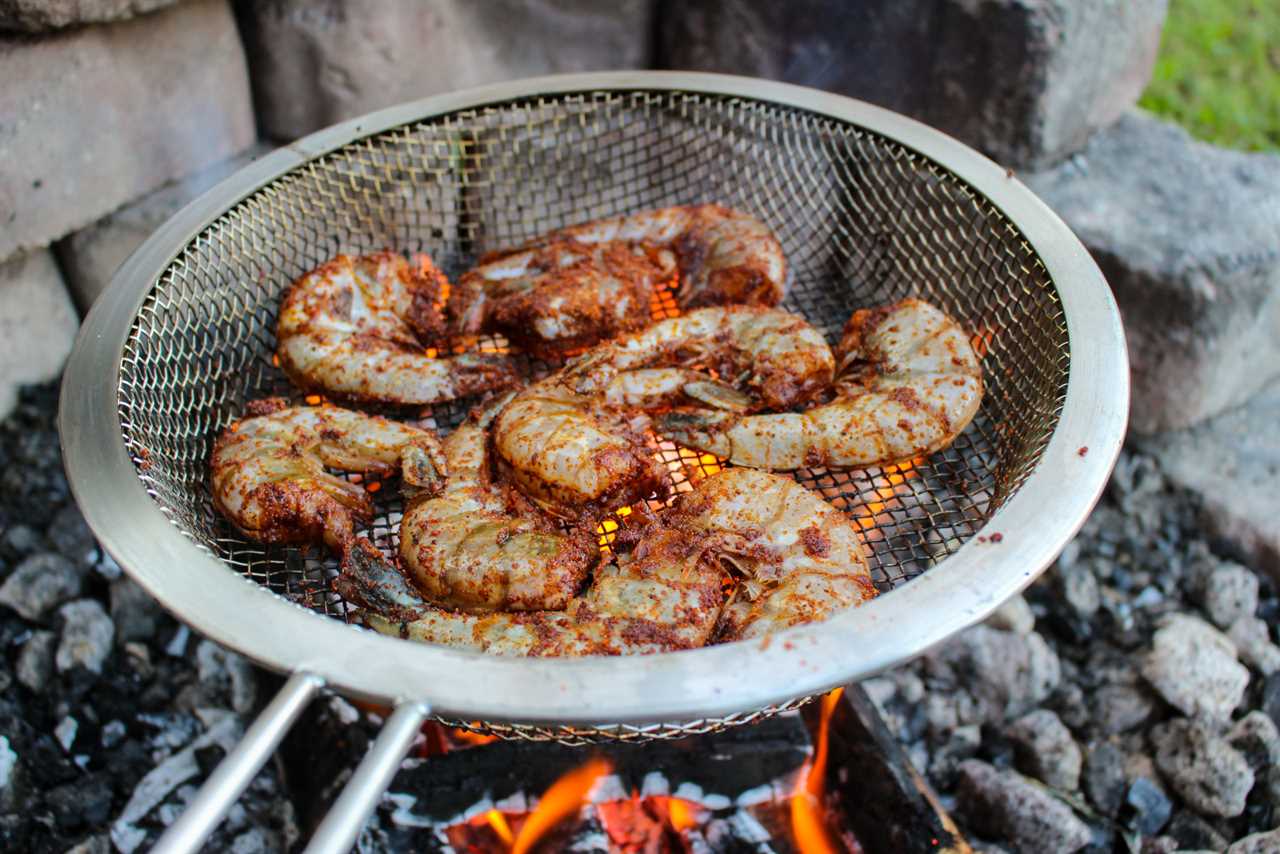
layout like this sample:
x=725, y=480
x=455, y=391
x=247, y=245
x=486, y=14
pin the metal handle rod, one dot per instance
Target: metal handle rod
x=346, y=818
x=239, y=766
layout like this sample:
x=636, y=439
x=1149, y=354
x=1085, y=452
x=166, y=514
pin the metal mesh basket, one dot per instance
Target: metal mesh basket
x=863, y=220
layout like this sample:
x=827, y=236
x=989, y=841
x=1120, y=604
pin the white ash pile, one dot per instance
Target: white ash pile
x=1128, y=702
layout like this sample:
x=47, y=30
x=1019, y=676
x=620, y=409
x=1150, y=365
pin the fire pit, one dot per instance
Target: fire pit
x=869, y=207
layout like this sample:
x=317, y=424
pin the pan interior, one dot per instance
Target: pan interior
x=862, y=219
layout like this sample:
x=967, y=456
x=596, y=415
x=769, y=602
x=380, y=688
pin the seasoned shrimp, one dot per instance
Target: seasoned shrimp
x=354, y=327
x=560, y=296
x=909, y=383
x=571, y=455
x=799, y=556
x=763, y=357
x=479, y=546
x=269, y=475
x=723, y=255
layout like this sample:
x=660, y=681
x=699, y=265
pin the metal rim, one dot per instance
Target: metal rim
x=1033, y=525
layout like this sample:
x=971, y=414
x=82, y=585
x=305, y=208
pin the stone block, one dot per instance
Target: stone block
x=35, y=16
x=1027, y=83
x=37, y=323
x=97, y=116
x=91, y=256
x=1188, y=236
x=315, y=64
x=1232, y=462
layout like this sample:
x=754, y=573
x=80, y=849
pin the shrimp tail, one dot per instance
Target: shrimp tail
x=370, y=580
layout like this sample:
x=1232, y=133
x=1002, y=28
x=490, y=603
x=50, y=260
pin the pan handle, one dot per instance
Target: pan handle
x=346, y=818
x=239, y=766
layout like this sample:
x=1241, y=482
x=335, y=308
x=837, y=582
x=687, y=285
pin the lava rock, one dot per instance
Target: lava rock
x=1229, y=593
x=1146, y=807
x=70, y=535
x=84, y=803
x=34, y=667
x=1004, y=805
x=1193, y=666
x=1120, y=708
x=1191, y=832
x=1197, y=289
x=87, y=633
x=1257, y=738
x=1253, y=643
x=19, y=541
x=41, y=583
x=1104, y=778
x=1007, y=674
x=135, y=614
x=1257, y=843
x=1271, y=698
x=962, y=743
x=1204, y=769
x=1080, y=590
x=35, y=16
x=226, y=676
x=1013, y=616
x=1046, y=750
x=98, y=844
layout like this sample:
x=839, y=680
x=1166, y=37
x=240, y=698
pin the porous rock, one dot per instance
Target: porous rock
x=1230, y=592
x=1192, y=833
x=1253, y=644
x=86, y=638
x=1267, y=842
x=1007, y=674
x=1004, y=805
x=1258, y=740
x=1104, y=778
x=1046, y=750
x=41, y=583
x=1120, y=708
x=37, y=320
x=226, y=675
x=91, y=256
x=108, y=113
x=1232, y=462
x=1197, y=282
x=34, y=667
x=1210, y=775
x=1027, y=83
x=1013, y=616
x=135, y=614
x=34, y=16
x=319, y=63
x=1193, y=666
x=1146, y=807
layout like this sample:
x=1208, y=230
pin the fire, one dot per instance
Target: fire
x=982, y=340
x=807, y=824
x=565, y=797
x=498, y=822
x=885, y=495
x=682, y=814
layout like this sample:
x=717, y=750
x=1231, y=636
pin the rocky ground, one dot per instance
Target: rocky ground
x=1128, y=702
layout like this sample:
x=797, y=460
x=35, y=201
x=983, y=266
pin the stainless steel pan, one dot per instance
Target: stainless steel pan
x=870, y=206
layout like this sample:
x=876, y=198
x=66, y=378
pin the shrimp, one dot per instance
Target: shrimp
x=723, y=255
x=269, y=475
x=353, y=327
x=765, y=357
x=477, y=546
x=909, y=383
x=800, y=554
x=572, y=456
x=799, y=557
x=561, y=296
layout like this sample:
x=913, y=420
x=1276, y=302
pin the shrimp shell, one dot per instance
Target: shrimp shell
x=354, y=327
x=910, y=383
x=270, y=479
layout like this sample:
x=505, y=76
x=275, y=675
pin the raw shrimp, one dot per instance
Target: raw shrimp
x=355, y=326
x=909, y=382
x=572, y=456
x=561, y=296
x=479, y=546
x=269, y=475
x=723, y=255
x=800, y=556
x=756, y=358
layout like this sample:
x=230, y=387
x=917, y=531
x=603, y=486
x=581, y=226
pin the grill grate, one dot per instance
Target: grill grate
x=863, y=220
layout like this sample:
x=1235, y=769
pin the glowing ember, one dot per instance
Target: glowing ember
x=565, y=798
x=807, y=813
x=887, y=496
x=499, y=824
x=314, y=399
x=982, y=339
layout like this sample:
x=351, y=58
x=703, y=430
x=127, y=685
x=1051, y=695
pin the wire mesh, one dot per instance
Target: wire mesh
x=863, y=220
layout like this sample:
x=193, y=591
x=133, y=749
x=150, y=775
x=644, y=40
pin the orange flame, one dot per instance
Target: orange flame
x=807, y=824
x=498, y=822
x=682, y=814
x=466, y=736
x=565, y=797
x=896, y=475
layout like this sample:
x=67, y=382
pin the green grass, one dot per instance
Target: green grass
x=1218, y=72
